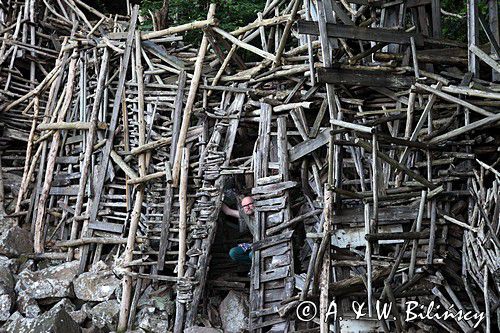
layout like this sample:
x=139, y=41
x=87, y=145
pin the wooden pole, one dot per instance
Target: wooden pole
x=139, y=194
x=183, y=212
x=495, y=32
x=195, y=81
x=51, y=160
x=29, y=149
x=472, y=34
x=286, y=32
x=325, y=268
x=89, y=147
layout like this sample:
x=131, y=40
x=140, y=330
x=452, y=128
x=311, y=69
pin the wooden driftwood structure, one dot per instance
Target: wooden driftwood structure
x=368, y=142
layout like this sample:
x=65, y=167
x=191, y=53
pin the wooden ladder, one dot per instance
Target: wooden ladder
x=272, y=261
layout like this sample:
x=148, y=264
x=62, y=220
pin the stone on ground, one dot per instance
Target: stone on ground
x=233, y=312
x=15, y=241
x=54, y=321
x=96, y=286
x=51, y=282
x=7, y=295
x=105, y=314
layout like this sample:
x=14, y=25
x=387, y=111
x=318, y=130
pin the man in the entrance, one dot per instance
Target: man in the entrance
x=242, y=252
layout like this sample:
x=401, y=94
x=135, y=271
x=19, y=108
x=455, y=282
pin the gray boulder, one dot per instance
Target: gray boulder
x=105, y=314
x=95, y=286
x=150, y=321
x=81, y=315
x=7, y=295
x=11, y=264
x=15, y=241
x=54, y=321
x=27, y=305
x=65, y=304
x=51, y=282
x=233, y=312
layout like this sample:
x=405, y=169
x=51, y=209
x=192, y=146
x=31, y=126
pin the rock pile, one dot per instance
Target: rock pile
x=55, y=298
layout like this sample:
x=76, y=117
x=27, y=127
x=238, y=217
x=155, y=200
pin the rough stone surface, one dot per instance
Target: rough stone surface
x=234, y=312
x=7, y=295
x=199, y=329
x=81, y=315
x=65, y=304
x=95, y=286
x=105, y=314
x=54, y=321
x=27, y=305
x=78, y=316
x=51, y=282
x=10, y=264
x=150, y=321
x=14, y=241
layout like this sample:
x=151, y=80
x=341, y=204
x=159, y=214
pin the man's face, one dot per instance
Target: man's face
x=247, y=205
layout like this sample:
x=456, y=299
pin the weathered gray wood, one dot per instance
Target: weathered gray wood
x=306, y=147
x=103, y=166
x=273, y=187
x=354, y=32
x=386, y=214
x=472, y=34
x=356, y=77
x=205, y=244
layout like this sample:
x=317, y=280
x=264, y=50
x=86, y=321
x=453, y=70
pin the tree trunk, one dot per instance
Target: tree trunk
x=161, y=16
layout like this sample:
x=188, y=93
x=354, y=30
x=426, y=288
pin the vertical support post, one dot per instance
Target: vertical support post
x=436, y=18
x=186, y=119
x=135, y=217
x=368, y=259
x=310, y=50
x=472, y=35
x=183, y=212
x=495, y=31
x=325, y=269
x=432, y=211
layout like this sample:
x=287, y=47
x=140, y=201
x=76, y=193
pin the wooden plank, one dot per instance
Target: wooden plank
x=493, y=33
x=273, y=187
x=269, y=180
x=361, y=33
x=269, y=202
x=270, y=241
x=357, y=77
x=355, y=237
x=385, y=214
x=274, y=274
x=436, y=18
x=106, y=226
x=67, y=190
x=304, y=148
x=67, y=160
x=485, y=57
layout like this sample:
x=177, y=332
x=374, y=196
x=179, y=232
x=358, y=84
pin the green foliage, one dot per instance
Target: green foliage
x=456, y=28
x=230, y=13
x=453, y=27
x=236, y=13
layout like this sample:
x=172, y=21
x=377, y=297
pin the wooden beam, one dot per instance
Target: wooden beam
x=306, y=147
x=472, y=34
x=362, y=33
x=485, y=57
x=356, y=77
